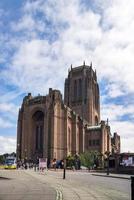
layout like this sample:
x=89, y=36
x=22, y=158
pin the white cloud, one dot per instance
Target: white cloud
x=125, y=142
x=4, y=123
x=8, y=115
x=7, y=145
x=9, y=107
x=7, y=97
x=115, y=90
x=124, y=128
x=114, y=112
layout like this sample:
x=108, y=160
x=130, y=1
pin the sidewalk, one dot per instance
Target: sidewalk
x=111, y=175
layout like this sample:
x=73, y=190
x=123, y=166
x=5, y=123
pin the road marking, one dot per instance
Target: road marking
x=59, y=195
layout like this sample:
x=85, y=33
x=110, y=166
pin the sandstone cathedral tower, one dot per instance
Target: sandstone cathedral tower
x=49, y=127
x=82, y=93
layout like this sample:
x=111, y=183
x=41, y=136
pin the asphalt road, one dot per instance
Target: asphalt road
x=49, y=185
x=85, y=186
x=18, y=185
x=104, y=183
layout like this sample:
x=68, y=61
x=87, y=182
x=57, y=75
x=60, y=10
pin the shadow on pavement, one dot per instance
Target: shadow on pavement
x=4, y=178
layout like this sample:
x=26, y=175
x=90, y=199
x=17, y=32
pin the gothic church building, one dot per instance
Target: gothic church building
x=49, y=127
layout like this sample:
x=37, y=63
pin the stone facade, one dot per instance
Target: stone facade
x=98, y=138
x=51, y=128
x=115, y=144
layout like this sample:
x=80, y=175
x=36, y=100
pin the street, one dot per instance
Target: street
x=18, y=185
x=27, y=184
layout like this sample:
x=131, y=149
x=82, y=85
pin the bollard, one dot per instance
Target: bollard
x=64, y=170
x=132, y=187
x=64, y=173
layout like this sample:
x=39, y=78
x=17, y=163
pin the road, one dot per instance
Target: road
x=85, y=186
x=30, y=185
x=19, y=185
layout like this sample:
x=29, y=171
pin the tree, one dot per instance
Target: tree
x=4, y=156
x=89, y=159
x=70, y=161
x=2, y=159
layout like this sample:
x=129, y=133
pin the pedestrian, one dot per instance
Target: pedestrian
x=54, y=163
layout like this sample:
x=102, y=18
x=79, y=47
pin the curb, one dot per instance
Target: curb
x=109, y=176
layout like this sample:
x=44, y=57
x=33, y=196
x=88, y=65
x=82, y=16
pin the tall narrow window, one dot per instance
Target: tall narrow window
x=80, y=88
x=75, y=90
x=85, y=95
x=69, y=139
x=95, y=97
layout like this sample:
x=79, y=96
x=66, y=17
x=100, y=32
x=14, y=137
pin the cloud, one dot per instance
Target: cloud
x=114, y=90
x=114, y=111
x=121, y=120
x=128, y=141
x=10, y=108
x=7, y=145
x=8, y=96
x=125, y=129
x=110, y=48
x=8, y=115
x=4, y=123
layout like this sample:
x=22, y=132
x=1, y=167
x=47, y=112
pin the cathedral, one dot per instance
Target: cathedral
x=50, y=127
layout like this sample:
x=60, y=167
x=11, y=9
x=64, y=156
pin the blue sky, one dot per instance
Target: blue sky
x=39, y=40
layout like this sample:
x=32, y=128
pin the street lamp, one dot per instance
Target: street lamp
x=107, y=154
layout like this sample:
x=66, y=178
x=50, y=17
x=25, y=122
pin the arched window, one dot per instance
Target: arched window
x=38, y=120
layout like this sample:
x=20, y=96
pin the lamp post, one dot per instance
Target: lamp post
x=107, y=154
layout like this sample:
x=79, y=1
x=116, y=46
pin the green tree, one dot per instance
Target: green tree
x=70, y=161
x=2, y=159
x=89, y=159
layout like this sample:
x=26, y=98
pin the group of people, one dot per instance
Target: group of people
x=25, y=165
x=55, y=164
x=58, y=164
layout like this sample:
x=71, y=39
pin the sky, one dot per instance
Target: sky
x=40, y=39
